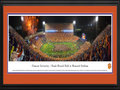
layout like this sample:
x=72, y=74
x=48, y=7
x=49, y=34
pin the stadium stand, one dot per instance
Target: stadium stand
x=20, y=50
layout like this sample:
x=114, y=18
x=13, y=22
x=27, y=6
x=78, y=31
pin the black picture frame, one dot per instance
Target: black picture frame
x=59, y=3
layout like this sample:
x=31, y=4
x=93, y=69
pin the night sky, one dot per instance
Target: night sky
x=85, y=23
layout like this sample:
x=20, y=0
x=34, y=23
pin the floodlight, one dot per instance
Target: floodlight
x=96, y=19
x=74, y=22
x=22, y=18
x=43, y=22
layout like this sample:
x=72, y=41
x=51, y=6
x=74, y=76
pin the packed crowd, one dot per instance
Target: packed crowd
x=19, y=50
x=101, y=51
x=61, y=37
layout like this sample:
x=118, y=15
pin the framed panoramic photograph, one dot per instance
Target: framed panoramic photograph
x=55, y=43
x=60, y=44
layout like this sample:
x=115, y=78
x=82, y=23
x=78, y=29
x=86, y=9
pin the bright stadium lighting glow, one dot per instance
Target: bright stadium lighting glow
x=22, y=18
x=96, y=19
x=50, y=31
x=67, y=31
x=43, y=22
x=74, y=22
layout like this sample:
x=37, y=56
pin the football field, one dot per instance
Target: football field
x=59, y=49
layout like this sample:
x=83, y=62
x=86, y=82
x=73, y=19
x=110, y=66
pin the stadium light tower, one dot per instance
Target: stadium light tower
x=74, y=22
x=22, y=18
x=96, y=19
x=43, y=26
x=74, y=25
x=43, y=22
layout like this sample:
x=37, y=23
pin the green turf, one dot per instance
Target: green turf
x=49, y=46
